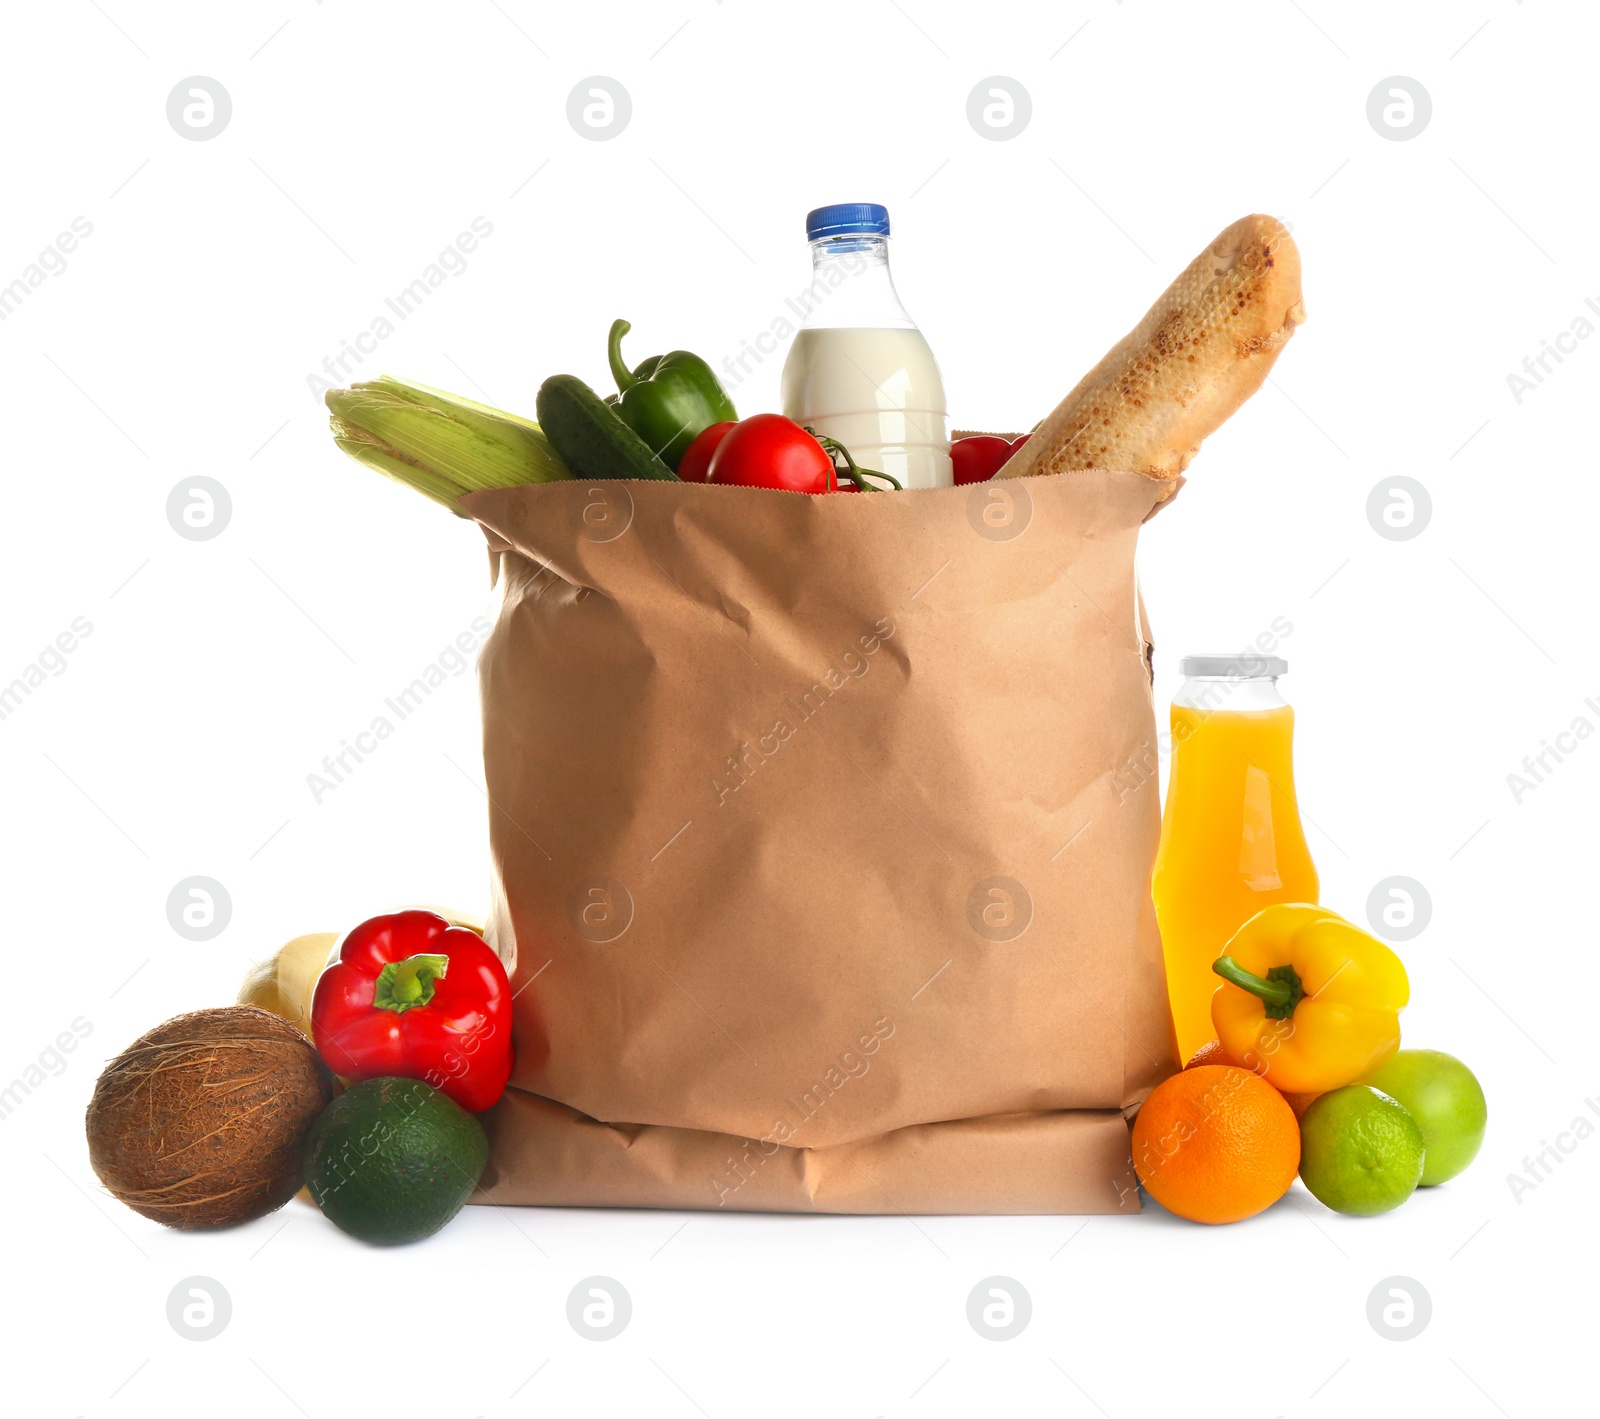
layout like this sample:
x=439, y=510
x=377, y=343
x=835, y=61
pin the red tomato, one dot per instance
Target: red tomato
x=696, y=462
x=770, y=451
x=977, y=458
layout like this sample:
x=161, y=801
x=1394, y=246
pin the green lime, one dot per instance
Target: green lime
x=393, y=1160
x=1360, y=1151
x=1444, y=1097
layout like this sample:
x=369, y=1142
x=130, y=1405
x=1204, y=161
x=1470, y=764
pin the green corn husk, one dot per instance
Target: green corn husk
x=440, y=444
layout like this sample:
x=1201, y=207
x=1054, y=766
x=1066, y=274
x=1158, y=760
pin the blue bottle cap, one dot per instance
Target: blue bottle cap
x=847, y=219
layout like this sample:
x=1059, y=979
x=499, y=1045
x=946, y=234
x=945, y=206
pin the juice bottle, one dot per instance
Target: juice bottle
x=859, y=370
x=1231, y=840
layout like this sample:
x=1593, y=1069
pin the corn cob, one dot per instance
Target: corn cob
x=440, y=444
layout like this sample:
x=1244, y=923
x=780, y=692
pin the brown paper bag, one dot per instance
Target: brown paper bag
x=822, y=833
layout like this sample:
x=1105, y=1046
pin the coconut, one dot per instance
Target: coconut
x=200, y=1122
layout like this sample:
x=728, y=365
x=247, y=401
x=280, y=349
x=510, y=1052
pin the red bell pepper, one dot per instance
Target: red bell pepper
x=414, y=997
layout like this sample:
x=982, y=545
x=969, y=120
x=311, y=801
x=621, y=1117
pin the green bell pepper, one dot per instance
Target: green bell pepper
x=668, y=399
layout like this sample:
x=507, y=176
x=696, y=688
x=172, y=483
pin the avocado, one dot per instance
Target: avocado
x=393, y=1160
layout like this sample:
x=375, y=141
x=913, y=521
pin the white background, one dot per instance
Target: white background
x=177, y=740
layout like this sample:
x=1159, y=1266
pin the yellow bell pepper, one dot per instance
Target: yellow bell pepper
x=1310, y=1003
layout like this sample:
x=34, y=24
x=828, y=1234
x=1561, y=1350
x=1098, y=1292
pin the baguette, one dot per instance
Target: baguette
x=1198, y=354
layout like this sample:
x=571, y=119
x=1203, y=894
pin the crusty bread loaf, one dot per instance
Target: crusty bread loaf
x=1198, y=354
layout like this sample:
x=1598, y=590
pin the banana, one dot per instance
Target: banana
x=283, y=983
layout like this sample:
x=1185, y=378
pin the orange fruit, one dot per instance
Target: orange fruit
x=1211, y=1052
x=1215, y=1143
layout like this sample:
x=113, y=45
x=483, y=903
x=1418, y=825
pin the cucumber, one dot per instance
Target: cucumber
x=592, y=439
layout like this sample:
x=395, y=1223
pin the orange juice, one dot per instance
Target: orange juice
x=1231, y=840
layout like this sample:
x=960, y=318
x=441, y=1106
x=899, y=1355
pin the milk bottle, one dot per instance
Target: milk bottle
x=859, y=370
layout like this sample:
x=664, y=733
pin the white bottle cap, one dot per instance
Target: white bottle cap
x=1241, y=665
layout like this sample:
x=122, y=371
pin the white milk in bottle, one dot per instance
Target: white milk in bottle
x=859, y=370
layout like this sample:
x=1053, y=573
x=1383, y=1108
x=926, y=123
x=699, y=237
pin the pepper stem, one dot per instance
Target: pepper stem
x=1278, y=993
x=619, y=371
x=403, y=985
